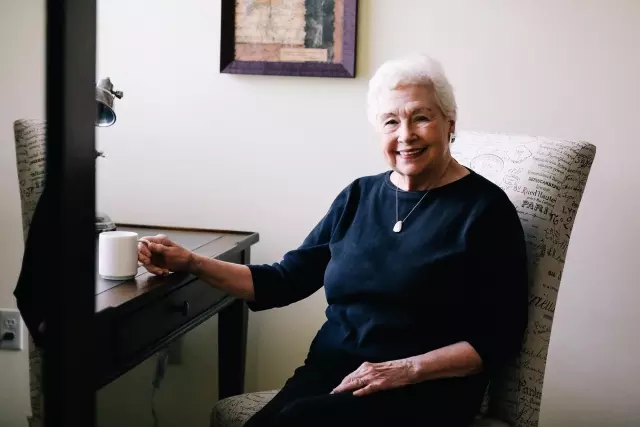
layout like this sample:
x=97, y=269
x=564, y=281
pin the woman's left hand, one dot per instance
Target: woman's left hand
x=372, y=377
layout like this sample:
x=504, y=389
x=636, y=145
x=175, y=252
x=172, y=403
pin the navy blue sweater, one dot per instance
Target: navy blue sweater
x=456, y=272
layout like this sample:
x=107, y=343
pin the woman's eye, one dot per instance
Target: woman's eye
x=422, y=119
x=390, y=123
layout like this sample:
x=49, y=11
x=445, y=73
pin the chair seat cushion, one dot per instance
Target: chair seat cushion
x=236, y=410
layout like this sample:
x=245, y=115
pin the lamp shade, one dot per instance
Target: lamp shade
x=105, y=95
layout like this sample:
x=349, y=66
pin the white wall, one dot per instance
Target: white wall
x=22, y=74
x=190, y=139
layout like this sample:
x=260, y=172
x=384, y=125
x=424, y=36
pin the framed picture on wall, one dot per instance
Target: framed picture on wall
x=311, y=38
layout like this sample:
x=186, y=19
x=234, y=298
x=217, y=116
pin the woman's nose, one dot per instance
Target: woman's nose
x=405, y=133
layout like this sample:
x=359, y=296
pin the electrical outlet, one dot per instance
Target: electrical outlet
x=10, y=329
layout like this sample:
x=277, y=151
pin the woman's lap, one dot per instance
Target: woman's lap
x=306, y=401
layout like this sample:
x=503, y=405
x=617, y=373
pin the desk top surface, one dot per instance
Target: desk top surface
x=209, y=243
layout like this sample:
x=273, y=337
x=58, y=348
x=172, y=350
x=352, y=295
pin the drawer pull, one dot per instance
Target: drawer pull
x=183, y=308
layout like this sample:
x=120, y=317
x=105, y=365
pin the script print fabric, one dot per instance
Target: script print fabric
x=545, y=179
x=30, y=137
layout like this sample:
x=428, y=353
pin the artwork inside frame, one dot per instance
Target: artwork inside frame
x=312, y=38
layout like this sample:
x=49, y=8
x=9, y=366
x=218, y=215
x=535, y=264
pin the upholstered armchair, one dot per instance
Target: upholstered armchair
x=545, y=179
x=30, y=137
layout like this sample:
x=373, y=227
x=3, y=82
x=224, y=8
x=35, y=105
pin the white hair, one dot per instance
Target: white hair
x=416, y=69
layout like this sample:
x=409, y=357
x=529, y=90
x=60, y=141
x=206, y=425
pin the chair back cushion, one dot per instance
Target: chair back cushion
x=30, y=140
x=30, y=136
x=545, y=179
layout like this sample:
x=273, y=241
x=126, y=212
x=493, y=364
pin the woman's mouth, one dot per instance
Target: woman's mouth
x=412, y=153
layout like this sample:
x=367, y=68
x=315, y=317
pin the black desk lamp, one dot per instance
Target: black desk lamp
x=105, y=96
x=105, y=116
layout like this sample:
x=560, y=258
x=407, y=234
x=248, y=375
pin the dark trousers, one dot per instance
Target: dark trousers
x=306, y=401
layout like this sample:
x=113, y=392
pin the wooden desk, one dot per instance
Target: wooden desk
x=136, y=318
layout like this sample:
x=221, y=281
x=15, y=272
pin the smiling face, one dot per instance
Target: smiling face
x=415, y=132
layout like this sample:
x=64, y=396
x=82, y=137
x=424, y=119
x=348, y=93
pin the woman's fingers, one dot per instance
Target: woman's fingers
x=356, y=379
x=164, y=240
x=150, y=246
x=350, y=384
x=347, y=380
x=156, y=270
x=143, y=250
x=156, y=248
x=158, y=238
x=366, y=390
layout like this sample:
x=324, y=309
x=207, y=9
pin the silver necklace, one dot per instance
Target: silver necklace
x=398, y=225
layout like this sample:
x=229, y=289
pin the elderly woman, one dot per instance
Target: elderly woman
x=424, y=269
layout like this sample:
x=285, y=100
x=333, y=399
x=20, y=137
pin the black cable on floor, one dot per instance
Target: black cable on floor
x=161, y=368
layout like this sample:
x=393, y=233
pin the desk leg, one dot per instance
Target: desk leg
x=232, y=348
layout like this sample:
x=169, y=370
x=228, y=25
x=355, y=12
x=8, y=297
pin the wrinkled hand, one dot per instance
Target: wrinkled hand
x=372, y=377
x=161, y=255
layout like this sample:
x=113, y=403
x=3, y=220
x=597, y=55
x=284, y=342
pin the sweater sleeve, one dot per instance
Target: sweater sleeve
x=500, y=308
x=301, y=271
x=30, y=291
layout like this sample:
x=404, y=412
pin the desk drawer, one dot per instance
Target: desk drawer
x=165, y=316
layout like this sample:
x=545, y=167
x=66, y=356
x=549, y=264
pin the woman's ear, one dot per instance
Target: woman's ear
x=452, y=131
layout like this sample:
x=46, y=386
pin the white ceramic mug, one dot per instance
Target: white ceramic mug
x=118, y=255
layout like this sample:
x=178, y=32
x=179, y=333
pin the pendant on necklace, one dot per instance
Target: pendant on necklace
x=398, y=227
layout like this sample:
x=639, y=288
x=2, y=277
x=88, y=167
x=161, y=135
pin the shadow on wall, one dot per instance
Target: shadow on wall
x=185, y=397
x=363, y=48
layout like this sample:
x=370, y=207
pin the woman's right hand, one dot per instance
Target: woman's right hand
x=161, y=256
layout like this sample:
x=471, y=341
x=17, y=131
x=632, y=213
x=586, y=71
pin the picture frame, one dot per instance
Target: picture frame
x=304, y=38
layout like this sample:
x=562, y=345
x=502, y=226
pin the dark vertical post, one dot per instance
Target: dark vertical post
x=232, y=348
x=68, y=377
x=232, y=344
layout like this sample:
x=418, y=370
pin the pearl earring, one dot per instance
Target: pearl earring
x=452, y=138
